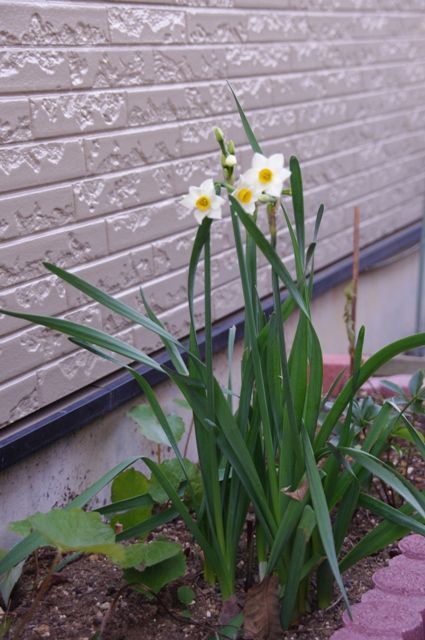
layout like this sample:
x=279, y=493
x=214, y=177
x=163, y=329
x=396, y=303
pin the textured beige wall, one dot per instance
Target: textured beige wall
x=106, y=110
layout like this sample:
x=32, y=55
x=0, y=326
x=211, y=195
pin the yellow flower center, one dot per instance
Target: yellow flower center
x=245, y=195
x=203, y=203
x=265, y=175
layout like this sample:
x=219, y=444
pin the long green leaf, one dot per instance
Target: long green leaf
x=298, y=550
x=268, y=251
x=343, y=519
x=298, y=256
x=230, y=349
x=298, y=366
x=322, y=514
x=379, y=425
x=388, y=475
x=313, y=398
x=119, y=506
x=89, y=335
x=111, y=303
x=287, y=526
x=247, y=127
x=298, y=202
x=198, y=245
x=275, y=390
x=379, y=538
x=148, y=525
x=391, y=514
x=172, y=348
x=312, y=247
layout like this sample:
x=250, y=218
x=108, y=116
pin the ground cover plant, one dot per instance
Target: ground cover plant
x=275, y=447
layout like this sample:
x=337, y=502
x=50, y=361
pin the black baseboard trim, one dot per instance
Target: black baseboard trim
x=31, y=434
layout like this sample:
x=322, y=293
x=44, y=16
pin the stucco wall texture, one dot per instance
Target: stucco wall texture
x=106, y=112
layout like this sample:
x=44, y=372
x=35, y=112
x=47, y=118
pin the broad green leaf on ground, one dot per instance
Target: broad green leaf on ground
x=151, y=429
x=162, y=563
x=174, y=473
x=34, y=540
x=186, y=595
x=142, y=555
x=129, y=484
x=183, y=403
x=20, y=527
x=9, y=579
x=76, y=530
x=193, y=498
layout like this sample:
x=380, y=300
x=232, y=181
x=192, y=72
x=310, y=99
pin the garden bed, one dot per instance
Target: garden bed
x=84, y=591
x=78, y=604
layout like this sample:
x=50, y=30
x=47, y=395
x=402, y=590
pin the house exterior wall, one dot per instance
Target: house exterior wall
x=106, y=111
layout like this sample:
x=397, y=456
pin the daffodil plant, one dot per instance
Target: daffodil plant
x=303, y=470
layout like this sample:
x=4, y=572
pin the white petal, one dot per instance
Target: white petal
x=207, y=186
x=274, y=188
x=249, y=208
x=250, y=177
x=199, y=216
x=258, y=161
x=276, y=161
x=217, y=201
x=187, y=201
x=195, y=192
x=284, y=174
x=215, y=214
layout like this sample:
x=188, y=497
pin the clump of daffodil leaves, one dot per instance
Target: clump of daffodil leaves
x=273, y=449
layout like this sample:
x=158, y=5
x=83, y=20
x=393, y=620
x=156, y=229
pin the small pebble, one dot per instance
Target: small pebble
x=98, y=618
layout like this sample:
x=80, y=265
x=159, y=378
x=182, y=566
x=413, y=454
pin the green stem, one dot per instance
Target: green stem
x=216, y=509
x=251, y=267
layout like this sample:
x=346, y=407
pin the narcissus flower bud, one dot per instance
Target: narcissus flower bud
x=230, y=161
x=265, y=199
x=219, y=135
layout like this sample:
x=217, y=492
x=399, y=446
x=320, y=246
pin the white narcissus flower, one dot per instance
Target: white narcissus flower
x=204, y=201
x=246, y=193
x=268, y=174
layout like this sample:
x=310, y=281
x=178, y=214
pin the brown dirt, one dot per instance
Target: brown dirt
x=77, y=603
